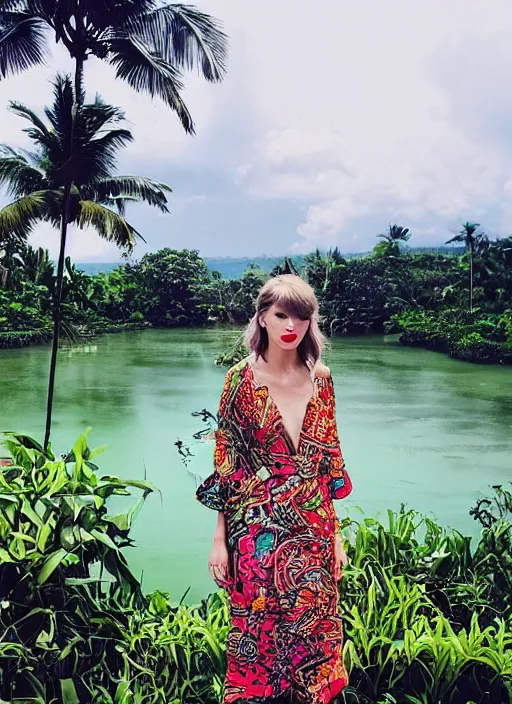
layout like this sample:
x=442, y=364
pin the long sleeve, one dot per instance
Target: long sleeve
x=339, y=483
x=214, y=490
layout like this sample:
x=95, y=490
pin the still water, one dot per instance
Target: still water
x=416, y=427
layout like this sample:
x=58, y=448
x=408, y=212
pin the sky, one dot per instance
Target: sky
x=335, y=119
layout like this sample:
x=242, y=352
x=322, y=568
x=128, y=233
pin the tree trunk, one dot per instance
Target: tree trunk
x=79, y=78
x=66, y=201
x=471, y=281
x=56, y=311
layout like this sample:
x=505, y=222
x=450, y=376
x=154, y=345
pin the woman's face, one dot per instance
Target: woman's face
x=284, y=330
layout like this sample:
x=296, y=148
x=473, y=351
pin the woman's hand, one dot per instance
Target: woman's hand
x=218, y=562
x=341, y=558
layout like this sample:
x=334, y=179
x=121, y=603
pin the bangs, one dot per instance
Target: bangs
x=295, y=301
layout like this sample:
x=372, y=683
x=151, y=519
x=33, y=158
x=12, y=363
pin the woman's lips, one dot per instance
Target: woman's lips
x=289, y=338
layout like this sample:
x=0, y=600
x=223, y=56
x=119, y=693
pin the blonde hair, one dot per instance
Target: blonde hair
x=297, y=298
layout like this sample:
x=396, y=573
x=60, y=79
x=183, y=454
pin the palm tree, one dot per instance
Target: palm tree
x=393, y=237
x=148, y=44
x=476, y=243
x=78, y=147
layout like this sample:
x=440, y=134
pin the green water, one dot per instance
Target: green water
x=416, y=427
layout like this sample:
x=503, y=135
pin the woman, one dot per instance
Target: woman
x=277, y=468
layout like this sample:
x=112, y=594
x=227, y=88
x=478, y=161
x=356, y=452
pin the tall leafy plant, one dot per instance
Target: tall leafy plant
x=476, y=242
x=61, y=564
x=70, y=179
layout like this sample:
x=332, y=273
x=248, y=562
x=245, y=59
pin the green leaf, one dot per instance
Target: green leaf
x=51, y=564
x=68, y=691
x=97, y=451
x=43, y=535
x=124, y=521
x=104, y=538
x=5, y=557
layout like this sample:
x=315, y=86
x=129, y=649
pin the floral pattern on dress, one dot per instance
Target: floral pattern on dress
x=286, y=629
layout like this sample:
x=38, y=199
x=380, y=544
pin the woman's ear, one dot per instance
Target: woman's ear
x=321, y=370
x=261, y=321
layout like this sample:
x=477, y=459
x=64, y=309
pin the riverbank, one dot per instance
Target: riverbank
x=14, y=339
x=464, y=342
x=470, y=337
x=422, y=296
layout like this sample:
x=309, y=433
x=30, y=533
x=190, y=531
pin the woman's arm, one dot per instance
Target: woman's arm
x=340, y=484
x=218, y=562
x=220, y=535
x=214, y=492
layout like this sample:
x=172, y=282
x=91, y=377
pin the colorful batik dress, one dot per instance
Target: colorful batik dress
x=286, y=629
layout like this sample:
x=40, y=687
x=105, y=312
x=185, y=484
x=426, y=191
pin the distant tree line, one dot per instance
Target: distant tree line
x=460, y=304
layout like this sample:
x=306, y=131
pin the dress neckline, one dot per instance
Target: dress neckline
x=286, y=434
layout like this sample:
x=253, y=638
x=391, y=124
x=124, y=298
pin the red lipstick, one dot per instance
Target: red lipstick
x=289, y=338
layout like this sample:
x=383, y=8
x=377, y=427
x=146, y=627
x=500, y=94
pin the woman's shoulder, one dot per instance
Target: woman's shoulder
x=321, y=371
x=236, y=372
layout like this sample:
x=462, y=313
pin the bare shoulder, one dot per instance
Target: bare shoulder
x=321, y=370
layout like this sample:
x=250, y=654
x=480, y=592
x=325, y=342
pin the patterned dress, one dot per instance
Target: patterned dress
x=286, y=630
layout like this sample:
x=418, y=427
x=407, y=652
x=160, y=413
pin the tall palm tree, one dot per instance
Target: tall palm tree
x=393, y=237
x=78, y=146
x=476, y=243
x=148, y=43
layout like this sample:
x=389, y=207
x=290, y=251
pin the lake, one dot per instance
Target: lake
x=416, y=427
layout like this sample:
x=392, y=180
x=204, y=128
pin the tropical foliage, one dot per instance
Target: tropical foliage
x=148, y=43
x=70, y=179
x=421, y=296
x=428, y=614
x=98, y=197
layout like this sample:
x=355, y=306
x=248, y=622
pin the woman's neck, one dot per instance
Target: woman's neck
x=280, y=361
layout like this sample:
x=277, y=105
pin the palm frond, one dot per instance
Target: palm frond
x=19, y=176
x=108, y=224
x=146, y=71
x=101, y=15
x=96, y=159
x=119, y=203
x=19, y=217
x=96, y=116
x=60, y=114
x=28, y=114
x=135, y=188
x=23, y=42
x=32, y=158
x=457, y=238
x=185, y=37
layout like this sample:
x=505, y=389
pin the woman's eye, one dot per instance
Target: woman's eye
x=281, y=315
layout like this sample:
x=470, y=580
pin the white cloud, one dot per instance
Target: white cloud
x=81, y=245
x=348, y=113
x=362, y=113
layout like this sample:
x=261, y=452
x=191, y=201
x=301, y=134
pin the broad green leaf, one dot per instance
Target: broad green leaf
x=51, y=564
x=5, y=557
x=68, y=692
x=97, y=451
x=104, y=538
x=43, y=535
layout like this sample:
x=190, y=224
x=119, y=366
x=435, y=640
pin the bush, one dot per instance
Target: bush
x=24, y=338
x=427, y=616
x=483, y=338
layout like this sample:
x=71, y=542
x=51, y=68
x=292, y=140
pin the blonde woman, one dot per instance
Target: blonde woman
x=277, y=468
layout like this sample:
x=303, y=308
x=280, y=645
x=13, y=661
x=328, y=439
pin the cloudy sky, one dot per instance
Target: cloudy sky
x=336, y=118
